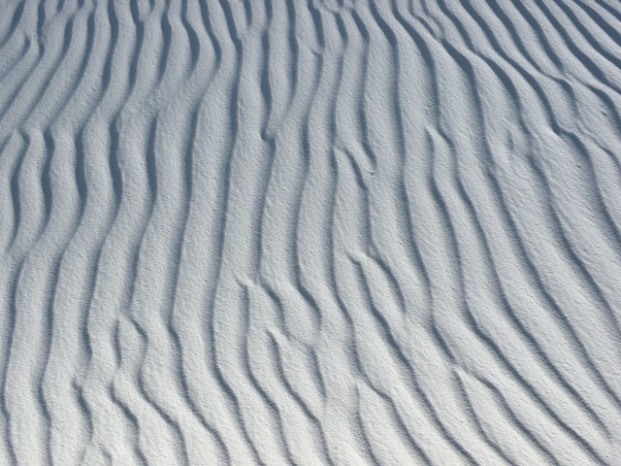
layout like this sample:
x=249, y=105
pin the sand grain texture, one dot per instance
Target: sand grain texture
x=310, y=232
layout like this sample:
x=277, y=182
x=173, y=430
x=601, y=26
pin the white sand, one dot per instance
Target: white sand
x=310, y=232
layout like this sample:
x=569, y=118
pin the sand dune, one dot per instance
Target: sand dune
x=316, y=232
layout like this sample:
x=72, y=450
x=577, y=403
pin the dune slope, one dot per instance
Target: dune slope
x=316, y=232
